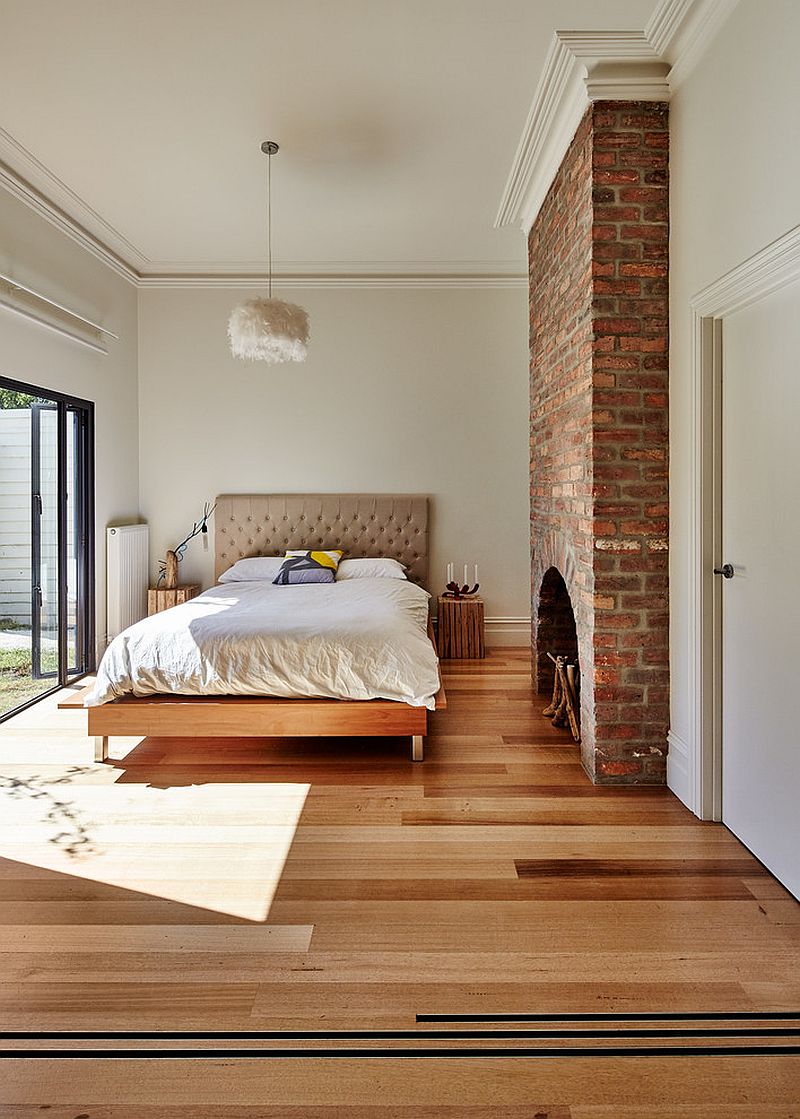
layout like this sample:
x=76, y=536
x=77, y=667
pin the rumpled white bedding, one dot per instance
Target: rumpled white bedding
x=357, y=639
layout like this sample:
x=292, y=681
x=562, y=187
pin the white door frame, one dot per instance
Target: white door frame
x=774, y=267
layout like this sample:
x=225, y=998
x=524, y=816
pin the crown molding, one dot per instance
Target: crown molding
x=665, y=23
x=62, y=221
x=681, y=30
x=27, y=178
x=256, y=270
x=60, y=208
x=341, y=274
x=586, y=66
x=628, y=82
x=341, y=280
x=614, y=46
x=554, y=115
x=580, y=67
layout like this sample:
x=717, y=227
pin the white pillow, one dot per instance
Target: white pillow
x=252, y=570
x=370, y=569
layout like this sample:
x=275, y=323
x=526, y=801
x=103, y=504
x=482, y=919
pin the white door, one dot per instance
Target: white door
x=761, y=603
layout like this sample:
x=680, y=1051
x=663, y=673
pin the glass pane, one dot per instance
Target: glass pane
x=28, y=547
x=74, y=596
x=46, y=665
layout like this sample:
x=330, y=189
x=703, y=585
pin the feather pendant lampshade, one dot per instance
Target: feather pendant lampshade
x=268, y=329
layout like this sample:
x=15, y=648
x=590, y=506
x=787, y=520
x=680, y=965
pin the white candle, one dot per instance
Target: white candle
x=449, y=573
x=476, y=573
x=465, y=573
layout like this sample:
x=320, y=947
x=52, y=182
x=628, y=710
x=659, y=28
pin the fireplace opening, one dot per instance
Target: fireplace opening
x=557, y=653
x=556, y=633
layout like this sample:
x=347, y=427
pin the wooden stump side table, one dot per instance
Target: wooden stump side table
x=160, y=598
x=461, y=631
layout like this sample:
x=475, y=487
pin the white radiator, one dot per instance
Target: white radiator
x=127, y=563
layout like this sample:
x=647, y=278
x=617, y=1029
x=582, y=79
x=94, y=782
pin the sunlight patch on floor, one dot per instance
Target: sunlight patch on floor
x=219, y=847
x=215, y=847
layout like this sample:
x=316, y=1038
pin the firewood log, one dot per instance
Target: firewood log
x=573, y=709
x=553, y=704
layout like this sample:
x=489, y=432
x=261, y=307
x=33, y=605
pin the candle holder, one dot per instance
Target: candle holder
x=456, y=590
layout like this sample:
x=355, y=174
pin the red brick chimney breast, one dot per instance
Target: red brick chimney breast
x=599, y=337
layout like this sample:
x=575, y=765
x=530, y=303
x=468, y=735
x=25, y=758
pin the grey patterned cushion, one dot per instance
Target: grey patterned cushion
x=308, y=567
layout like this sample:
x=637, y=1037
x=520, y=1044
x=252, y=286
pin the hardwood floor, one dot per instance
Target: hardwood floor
x=333, y=885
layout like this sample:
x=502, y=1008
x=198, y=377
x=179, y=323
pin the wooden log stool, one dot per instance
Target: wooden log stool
x=461, y=629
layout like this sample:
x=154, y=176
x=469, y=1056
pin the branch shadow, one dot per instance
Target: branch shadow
x=73, y=838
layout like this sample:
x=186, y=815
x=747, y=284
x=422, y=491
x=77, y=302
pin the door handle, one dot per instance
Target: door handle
x=726, y=571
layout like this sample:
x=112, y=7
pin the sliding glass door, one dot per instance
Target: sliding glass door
x=44, y=541
x=46, y=552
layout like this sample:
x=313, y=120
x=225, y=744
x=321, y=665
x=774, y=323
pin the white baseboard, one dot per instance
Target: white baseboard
x=508, y=631
x=679, y=779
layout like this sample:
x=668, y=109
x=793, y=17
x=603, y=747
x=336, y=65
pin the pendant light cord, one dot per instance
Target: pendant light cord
x=269, y=219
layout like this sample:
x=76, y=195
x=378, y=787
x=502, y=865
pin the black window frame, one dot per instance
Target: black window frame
x=84, y=527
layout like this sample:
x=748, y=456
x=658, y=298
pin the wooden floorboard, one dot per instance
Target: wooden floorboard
x=334, y=885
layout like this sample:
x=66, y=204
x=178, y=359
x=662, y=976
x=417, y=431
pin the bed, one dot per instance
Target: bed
x=265, y=661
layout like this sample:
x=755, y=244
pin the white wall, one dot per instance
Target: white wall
x=36, y=253
x=403, y=391
x=735, y=169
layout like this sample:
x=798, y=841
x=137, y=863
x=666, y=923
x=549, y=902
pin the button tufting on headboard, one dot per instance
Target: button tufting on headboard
x=362, y=525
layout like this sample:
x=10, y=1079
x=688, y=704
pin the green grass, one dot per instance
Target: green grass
x=17, y=661
x=16, y=683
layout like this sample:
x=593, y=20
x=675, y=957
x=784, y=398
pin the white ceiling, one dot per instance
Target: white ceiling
x=398, y=121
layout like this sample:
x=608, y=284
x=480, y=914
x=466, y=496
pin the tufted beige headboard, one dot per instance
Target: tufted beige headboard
x=383, y=524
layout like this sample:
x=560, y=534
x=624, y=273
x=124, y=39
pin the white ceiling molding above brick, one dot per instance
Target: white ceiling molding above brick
x=585, y=66
x=581, y=66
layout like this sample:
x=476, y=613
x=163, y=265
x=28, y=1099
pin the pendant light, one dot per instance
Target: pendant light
x=268, y=329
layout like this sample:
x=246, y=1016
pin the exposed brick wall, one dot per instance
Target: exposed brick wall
x=598, y=256
x=560, y=269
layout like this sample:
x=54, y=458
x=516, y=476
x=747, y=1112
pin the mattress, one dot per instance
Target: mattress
x=354, y=639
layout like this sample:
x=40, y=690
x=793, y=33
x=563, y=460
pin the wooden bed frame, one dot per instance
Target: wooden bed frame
x=264, y=524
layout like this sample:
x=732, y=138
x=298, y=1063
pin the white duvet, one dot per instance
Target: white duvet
x=355, y=639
